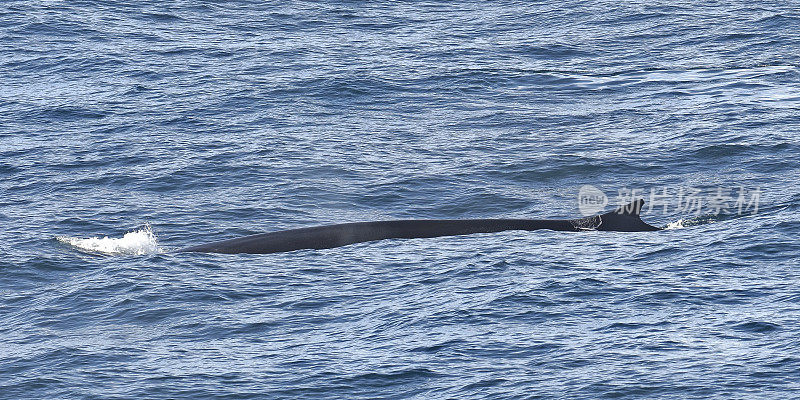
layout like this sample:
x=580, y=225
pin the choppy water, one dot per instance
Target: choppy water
x=129, y=129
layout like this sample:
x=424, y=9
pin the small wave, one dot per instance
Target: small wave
x=138, y=242
x=676, y=225
x=757, y=327
x=699, y=220
x=687, y=222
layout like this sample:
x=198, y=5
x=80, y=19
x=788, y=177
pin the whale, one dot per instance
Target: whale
x=624, y=219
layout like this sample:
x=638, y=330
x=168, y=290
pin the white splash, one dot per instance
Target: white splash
x=138, y=242
x=676, y=225
x=687, y=222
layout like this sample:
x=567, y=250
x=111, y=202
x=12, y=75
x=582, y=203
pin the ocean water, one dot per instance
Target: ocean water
x=131, y=129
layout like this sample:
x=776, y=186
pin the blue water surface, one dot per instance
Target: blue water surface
x=206, y=120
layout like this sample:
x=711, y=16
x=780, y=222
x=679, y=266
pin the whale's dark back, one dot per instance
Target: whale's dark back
x=624, y=219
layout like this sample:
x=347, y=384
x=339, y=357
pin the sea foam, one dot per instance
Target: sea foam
x=137, y=242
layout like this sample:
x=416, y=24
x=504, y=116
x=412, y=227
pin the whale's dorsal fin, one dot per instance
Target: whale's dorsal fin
x=623, y=219
x=626, y=219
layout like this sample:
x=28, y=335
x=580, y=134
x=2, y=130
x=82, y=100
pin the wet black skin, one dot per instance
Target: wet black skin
x=624, y=219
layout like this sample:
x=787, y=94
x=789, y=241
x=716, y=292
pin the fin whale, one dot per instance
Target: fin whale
x=623, y=219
